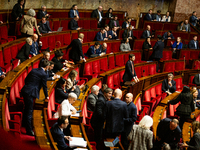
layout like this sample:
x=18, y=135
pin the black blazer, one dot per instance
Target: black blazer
x=124, y=25
x=128, y=75
x=36, y=79
x=158, y=50
x=60, y=95
x=42, y=27
x=126, y=34
x=112, y=24
x=23, y=54
x=147, y=17
x=144, y=34
x=76, y=50
x=58, y=64
x=41, y=62
x=192, y=46
x=107, y=15
x=196, y=80
x=166, y=135
x=73, y=25
x=165, y=86
x=95, y=14
x=58, y=137
x=41, y=14
x=146, y=45
x=132, y=113
x=17, y=11
x=91, y=101
x=194, y=143
x=115, y=113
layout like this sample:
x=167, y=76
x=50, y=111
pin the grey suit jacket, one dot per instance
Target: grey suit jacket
x=91, y=101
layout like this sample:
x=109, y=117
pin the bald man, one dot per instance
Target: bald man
x=98, y=13
x=147, y=33
x=115, y=113
x=129, y=122
x=35, y=47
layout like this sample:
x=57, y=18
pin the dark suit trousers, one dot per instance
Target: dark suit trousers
x=124, y=140
x=98, y=133
x=28, y=111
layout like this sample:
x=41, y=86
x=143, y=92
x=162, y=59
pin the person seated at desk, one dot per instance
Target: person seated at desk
x=100, y=36
x=60, y=91
x=169, y=85
x=46, y=56
x=146, y=46
x=158, y=16
x=92, y=98
x=66, y=108
x=103, y=48
x=42, y=12
x=177, y=45
x=18, y=10
x=149, y=16
x=73, y=12
x=147, y=33
x=166, y=18
x=125, y=46
x=59, y=63
x=128, y=33
x=44, y=26
x=2, y=75
x=35, y=48
x=109, y=14
x=73, y=24
x=181, y=26
x=168, y=35
x=193, y=44
x=114, y=22
x=113, y=33
x=187, y=26
x=50, y=74
x=94, y=51
x=126, y=23
x=23, y=54
x=58, y=135
x=106, y=32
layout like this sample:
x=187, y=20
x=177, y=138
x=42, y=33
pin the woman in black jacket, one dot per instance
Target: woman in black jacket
x=186, y=107
x=146, y=46
x=18, y=10
x=109, y=13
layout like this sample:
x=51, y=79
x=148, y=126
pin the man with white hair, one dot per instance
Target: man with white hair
x=129, y=122
x=98, y=13
x=115, y=113
x=169, y=85
x=103, y=48
x=66, y=108
x=35, y=47
x=42, y=12
x=92, y=98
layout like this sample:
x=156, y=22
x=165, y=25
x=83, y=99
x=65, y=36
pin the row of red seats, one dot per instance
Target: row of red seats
x=4, y=38
x=173, y=65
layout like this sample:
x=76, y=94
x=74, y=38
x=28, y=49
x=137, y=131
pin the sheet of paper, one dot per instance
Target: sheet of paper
x=80, y=149
x=76, y=115
x=77, y=142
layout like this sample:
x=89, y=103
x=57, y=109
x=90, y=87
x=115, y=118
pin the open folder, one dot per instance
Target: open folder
x=77, y=142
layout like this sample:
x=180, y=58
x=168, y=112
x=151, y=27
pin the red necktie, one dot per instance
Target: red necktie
x=133, y=71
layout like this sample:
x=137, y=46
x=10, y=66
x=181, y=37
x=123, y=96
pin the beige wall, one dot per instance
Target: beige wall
x=121, y=5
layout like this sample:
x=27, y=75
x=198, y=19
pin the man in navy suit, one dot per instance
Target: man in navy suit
x=36, y=79
x=44, y=26
x=50, y=74
x=73, y=24
x=147, y=32
x=168, y=35
x=42, y=13
x=106, y=32
x=73, y=12
x=194, y=19
x=58, y=135
x=94, y=50
x=129, y=122
x=169, y=85
x=35, y=47
x=193, y=44
x=130, y=73
x=100, y=36
x=114, y=22
x=149, y=16
x=113, y=33
x=115, y=113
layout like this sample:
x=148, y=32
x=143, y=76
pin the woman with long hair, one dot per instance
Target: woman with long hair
x=18, y=10
x=109, y=13
x=177, y=45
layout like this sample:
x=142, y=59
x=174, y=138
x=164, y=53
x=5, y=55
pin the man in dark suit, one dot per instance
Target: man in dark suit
x=73, y=12
x=94, y=50
x=103, y=48
x=149, y=16
x=157, y=51
x=58, y=135
x=73, y=24
x=113, y=33
x=35, y=47
x=97, y=120
x=115, y=113
x=42, y=13
x=114, y=23
x=100, y=36
x=129, y=122
x=168, y=134
x=187, y=26
x=169, y=85
x=46, y=56
x=50, y=74
x=147, y=33
x=92, y=98
x=36, y=79
x=128, y=33
x=168, y=35
x=98, y=13
x=130, y=73
x=106, y=32
x=193, y=44
x=194, y=19
x=44, y=26
x=126, y=23
x=76, y=53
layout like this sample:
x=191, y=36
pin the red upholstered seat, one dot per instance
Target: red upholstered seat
x=108, y=48
x=158, y=89
x=88, y=71
x=64, y=24
x=85, y=48
x=167, y=55
x=153, y=42
x=45, y=42
x=86, y=24
x=184, y=35
x=145, y=70
x=137, y=57
x=159, y=33
x=103, y=64
x=4, y=34
x=99, y=84
x=194, y=54
x=14, y=51
x=59, y=38
x=111, y=62
x=172, y=110
x=152, y=69
x=51, y=43
x=51, y=104
x=90, y=36
x=169, y=67
x=196, y=65
x=121, y=73
x=93, y=24
x=192, y=34
x=56, y=25
x=66, y=39
x=119, y=60
x=115, y=46
x=126, y=58
x=85, y=36
x=170, y=26
x=179, y=84
x=179, y=65
x=74, y=35
x=138, y=44
x=36, y=64
x=110, y=82
x=137, y=33
x=96, y=67
x=138, y=71
x=7, y=55
x=116, y=80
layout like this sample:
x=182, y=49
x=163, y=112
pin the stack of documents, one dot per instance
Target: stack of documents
x=77, y=142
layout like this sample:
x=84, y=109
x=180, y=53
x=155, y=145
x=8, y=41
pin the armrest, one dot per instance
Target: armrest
x=82, y=78
x=89, y=77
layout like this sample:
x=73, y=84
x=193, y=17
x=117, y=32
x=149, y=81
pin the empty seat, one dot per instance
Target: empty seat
x=169, y=67
x=119, y=60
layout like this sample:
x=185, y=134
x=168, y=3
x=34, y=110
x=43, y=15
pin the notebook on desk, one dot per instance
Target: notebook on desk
x=113, y=143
